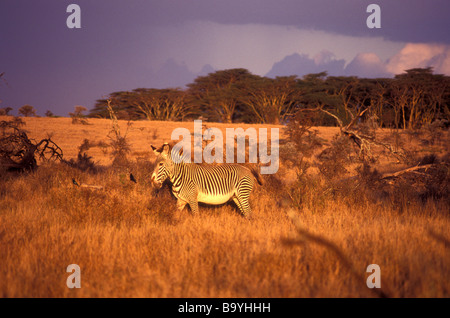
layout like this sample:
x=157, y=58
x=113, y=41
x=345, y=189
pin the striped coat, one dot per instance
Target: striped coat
x=210, y=184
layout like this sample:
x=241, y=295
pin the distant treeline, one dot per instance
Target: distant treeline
x=408, y=100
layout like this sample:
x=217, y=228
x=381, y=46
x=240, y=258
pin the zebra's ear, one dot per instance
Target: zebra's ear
x=155, y=150
x=165, y=149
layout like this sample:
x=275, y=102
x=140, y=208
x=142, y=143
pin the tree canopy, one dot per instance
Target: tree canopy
x=409, y=100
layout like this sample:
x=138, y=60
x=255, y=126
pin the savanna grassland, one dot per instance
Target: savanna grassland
x=130, y=241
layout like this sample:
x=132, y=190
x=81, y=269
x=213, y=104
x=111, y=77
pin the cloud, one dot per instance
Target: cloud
x=367, y=65
x=174, y=74
x=164, y=76
x=414, y=55
x=255, y=47
x=274, y=50
x=302, y=64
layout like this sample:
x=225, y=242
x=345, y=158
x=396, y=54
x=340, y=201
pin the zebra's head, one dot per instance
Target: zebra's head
x=164, y=165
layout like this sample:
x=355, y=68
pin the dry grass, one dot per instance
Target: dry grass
x=130, y=242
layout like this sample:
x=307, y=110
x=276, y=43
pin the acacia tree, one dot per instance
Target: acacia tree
x=409, y=100
x=145, y=103
x=218, y=94
x=27, y=111
x=5, y=111
x=411, y=84
x=49, y=113
x=161, y=104
x=78, y=116
x=315, y=95
x=379, y=100
x=427, y=94
x=435, y=99
x=121, y=102
x=272, y=101
x=420, y=96
x=343, y=89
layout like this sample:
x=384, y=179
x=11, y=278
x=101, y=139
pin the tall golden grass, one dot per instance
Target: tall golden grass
x=129, y=241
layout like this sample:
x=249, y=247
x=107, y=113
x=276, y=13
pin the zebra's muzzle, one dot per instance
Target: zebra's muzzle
x=155, y=183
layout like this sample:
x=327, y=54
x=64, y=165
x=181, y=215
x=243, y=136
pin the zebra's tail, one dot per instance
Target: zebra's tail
x=257, y=175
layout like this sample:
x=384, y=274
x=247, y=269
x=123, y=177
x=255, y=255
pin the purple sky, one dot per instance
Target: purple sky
x=124, y=45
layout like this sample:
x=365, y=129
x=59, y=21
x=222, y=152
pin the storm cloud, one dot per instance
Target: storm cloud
x=123, y=45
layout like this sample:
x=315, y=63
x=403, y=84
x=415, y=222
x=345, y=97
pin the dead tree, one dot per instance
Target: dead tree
x=364, y=141
x=20, y=153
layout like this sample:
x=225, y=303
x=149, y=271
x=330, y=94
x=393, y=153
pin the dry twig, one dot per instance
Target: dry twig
x=305, y=235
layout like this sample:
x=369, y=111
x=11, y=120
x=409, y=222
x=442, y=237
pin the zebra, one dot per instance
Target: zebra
x=210, y=184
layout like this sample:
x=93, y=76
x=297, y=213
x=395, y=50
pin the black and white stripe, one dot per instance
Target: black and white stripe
x=210, y=184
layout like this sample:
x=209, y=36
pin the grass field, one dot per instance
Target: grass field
x=129, y=241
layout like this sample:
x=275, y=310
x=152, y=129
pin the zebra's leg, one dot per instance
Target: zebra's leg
x=238, y=204
x=194, y=206
x=190, y=194
x=181, y=204
x=243, y=206
x=242, y=195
